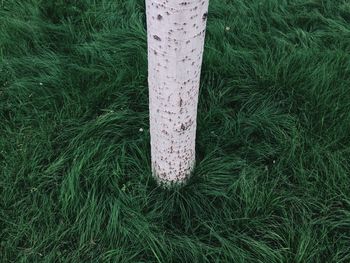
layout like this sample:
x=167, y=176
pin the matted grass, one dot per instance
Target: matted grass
x=272, y=182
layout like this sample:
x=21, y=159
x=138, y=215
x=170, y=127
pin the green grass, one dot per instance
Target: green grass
x=272, y=182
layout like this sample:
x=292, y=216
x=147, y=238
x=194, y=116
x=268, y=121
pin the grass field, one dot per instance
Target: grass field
x=272, y=182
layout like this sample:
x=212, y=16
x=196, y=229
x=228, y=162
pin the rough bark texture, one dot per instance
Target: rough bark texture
x=176, y=33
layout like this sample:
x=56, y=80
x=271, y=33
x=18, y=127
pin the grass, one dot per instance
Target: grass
x=272, y=182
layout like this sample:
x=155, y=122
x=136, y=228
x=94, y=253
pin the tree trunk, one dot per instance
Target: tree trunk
x=176, y=33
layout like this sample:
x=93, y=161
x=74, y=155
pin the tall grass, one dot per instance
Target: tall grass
x=272, y=182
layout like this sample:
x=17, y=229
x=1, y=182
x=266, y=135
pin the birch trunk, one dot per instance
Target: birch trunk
x=176, y=33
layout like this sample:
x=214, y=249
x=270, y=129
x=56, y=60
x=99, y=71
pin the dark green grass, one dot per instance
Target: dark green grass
x=272, y=182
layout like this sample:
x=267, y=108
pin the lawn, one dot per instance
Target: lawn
x=272, y=181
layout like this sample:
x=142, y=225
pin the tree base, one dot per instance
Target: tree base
x=166, y=183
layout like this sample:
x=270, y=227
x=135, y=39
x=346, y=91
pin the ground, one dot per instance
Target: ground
x=272, y=181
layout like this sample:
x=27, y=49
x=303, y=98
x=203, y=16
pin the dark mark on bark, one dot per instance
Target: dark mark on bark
x=157, y=38
x=205, y=15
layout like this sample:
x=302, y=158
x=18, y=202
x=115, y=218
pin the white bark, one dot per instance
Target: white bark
x=176, y=33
